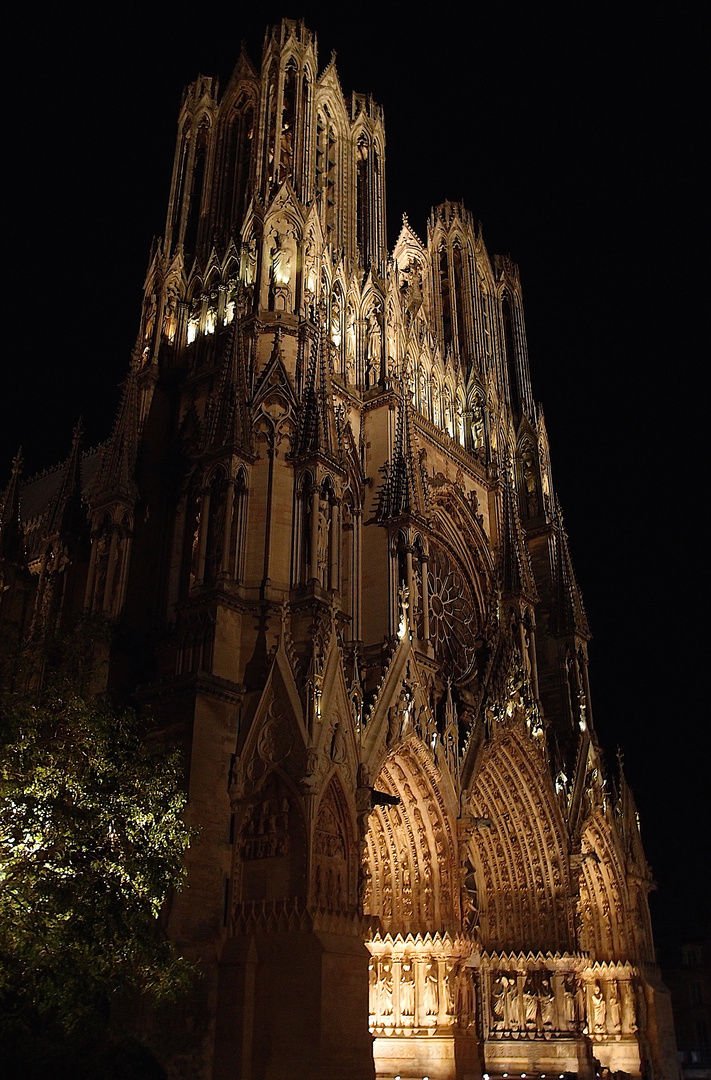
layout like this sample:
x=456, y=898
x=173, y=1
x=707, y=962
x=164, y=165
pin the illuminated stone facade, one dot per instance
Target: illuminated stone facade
x=326, y=526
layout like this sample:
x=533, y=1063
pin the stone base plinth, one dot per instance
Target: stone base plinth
x=438, y=1056
x=618, y=1053
x=550, y=1056
x=293, y=1005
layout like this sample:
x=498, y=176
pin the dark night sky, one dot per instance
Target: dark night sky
x=574, y=132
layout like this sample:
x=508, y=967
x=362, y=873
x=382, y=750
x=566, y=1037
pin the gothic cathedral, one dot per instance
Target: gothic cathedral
x=326, y=532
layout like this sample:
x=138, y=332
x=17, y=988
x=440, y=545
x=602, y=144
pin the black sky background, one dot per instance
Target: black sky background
x=576, y=134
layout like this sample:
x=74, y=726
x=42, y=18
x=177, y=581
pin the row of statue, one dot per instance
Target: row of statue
x=420, y=991
x=415, y=991
x=539, y=1002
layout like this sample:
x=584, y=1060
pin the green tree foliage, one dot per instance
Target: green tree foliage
x=92, y=842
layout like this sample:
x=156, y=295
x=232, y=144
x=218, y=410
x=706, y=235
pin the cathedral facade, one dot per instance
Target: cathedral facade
x=326, y=534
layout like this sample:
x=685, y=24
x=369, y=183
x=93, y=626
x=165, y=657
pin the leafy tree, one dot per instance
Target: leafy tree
x=92, y=842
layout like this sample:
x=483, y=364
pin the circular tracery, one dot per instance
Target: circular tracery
x=453, y=614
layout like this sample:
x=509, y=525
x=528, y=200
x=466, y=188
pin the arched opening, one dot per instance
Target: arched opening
x=419, y=984
x=460, y=301
x=238, y=154
x=301, y=570
x=192, y=219
x=602, y=895
x=288, y=122
x=511, y=356
x=334, y=872
x=362, y=198
x=446, y=298
x=519, y=851
x=410, y=857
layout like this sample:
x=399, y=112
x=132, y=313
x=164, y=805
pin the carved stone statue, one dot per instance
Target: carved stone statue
x=150, y=320
x=599, y=1009
x=431, y=989
x=547, y=1005
x=373, y=348
x=170, y=312
x=281, y=261
x=407, y=989
x=530, y=1005
x=530, y=482
x=385, y=989
x=338, y=744
x=372, y=988
x=615, y=1012
x=477, y=426
x=465, y=999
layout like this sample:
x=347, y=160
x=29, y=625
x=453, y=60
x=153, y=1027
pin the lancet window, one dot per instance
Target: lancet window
x=326, y=546
x=270, y=151
x=288, y=122
x=196, y=188
x=238, y=528
x=214, y=546
x=180, y=182
x=459, y=299
x=237, y=160
x=362, y=196
x=446, y=297
x=301, y=570
x=327, y=169
x=510, y=351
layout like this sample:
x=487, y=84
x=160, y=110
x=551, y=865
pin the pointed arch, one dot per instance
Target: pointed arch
x=410, y=854
x=520, y=849
x=603, y=893
x=335, y=870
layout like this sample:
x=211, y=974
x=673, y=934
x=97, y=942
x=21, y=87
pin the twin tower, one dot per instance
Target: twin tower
x=326, y=532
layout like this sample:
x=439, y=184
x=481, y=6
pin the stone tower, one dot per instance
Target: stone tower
x=326, y=528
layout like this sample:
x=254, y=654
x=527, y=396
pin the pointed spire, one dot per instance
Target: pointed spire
x=65, y=513
x=226, y=420
x=116, y=474
x=516, y=571
x=308, y=436
x=569, y=615
x=318, y=431
x=10, y=524
x=403, y=489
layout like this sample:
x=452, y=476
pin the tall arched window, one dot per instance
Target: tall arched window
x=446, y=299
x=510, y=350
x=270, y=150
x=216, y=528
x=238, y=154
x=362, y=200
x=180, y=184
x=192, y=221
x=238, y=531
x=459, y=300
x=301, y=570
x=288, y=122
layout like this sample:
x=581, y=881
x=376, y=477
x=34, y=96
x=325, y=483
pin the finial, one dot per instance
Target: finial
x=17, y=462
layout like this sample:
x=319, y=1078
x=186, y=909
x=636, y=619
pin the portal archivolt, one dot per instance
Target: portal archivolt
x=410, y=848
x=519, y=851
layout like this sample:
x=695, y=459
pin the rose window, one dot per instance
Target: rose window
x=453, y=616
